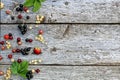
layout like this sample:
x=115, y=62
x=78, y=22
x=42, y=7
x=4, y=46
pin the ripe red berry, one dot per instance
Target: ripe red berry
x=2, y=42
x=13, y=50
x=18, y=50
x=10, y=56
x=37, y=70
x=25, y=9
x=40, y=31
x=8, y=11
x=18, y=39
x=11, y=37
x=6, y=36
x=19, y=16
x=1, y=57
x=30, y=40
x=19, y=60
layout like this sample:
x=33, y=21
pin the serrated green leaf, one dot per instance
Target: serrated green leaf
x=29, y=3
x=42, y=0
x=23, y=74
x=14, y=68
x=37, y=5
x=23, y=66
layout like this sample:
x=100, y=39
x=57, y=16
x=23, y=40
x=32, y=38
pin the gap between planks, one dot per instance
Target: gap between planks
x=70, y=65
x=64, y=23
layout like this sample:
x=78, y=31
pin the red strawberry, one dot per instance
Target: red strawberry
x=37, y=51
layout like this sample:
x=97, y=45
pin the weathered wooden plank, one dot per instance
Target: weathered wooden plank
x=74, y=73
x=72, y=11
x=71, y=44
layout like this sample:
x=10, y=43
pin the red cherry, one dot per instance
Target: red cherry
x=37, y=70
x=19, y=60
x=40, y=31
x=6, y=36
x=37, y=51
x=25, y=9
x=10, y=56
x=13, y=50
x=8, y=12
x=19, y=16
x=2, y=42
x=17, y=50
x=18, y=39
x=1, y=57
x=11, y=37
x=30, y=40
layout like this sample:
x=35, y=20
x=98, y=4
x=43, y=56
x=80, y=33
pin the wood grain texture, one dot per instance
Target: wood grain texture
x=72, y=11
x=73, y=73
x=70, y=44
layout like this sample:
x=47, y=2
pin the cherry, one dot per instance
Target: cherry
x=19, y=60
x=2, y=42
x=10, y=56
x=40, y=31
x=11, y=37
x=6, y=36
x=13, y=50
x=18, y=39
x=37, y=70
x=30, y=40
x=19, y=16
x=25, y=9
x=1, y=57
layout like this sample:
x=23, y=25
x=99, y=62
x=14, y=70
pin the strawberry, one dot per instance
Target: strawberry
x=37, y=50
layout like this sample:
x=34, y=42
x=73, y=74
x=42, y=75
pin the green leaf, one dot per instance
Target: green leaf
x=37, y=5
x=42, y=0
x=23, y=66
x=14, y=68
x=23, y=74
x=29, y=3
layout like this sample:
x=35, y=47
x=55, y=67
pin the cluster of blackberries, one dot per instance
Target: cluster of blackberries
x=29, y=75
x=26, y=51
x=20, y=8
x=23, y=28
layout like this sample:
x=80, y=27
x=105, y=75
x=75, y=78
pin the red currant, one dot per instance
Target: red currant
x=37, y=70
x=10, y=56
x=19, y=16
x=19, y=60
x=11, y=37
x=18, y=50
x=1, y=57
x=2, y=42
x=40, y=32
x=30, y=40
x=13, y=50
x=25, y=9
x=18, y=39
x=6, y=36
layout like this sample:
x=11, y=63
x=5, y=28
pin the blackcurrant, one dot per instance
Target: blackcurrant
x=17, y=9
x=21, y=5
x=27, y=17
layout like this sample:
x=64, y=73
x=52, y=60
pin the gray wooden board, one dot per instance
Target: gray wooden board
x=70, y=44
x=71, y=11
x=73, y=73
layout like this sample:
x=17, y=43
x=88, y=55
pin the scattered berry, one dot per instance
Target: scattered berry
x=1, y=57
x=17, y=50
x=10, y=56
x=40, y=32
x=2, y=42
x=37, y=70
x=11, y=37
x=27, y=17
x=12, y=17
x=37, y=51
x=2, y=47
x=25, y=9
x=21, y=5
x=10, y=34
x=8, y=12
x=6, y=36
x=19, y=16
x=13, y=50
x=30, y=40
x=17, y=9
x=18, y=39
x=19, y=60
